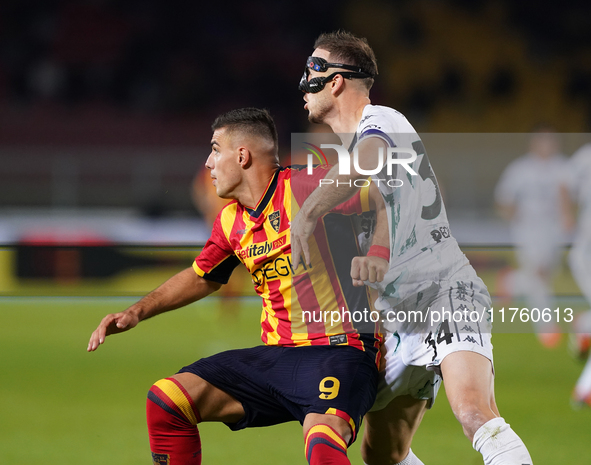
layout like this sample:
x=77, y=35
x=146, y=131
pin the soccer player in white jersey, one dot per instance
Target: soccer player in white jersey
x=425, y=268
x=530, y=194
x=580, y=263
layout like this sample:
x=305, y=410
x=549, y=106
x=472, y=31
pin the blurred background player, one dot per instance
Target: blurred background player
x=426, y=267
x=580, y=264
x=531, y=195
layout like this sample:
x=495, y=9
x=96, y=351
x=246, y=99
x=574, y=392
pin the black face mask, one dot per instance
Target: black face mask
x=320, y=64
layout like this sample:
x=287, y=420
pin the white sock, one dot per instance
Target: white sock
x=583, y=386
x=411, y=459
x=582, y=322
x=499, y=445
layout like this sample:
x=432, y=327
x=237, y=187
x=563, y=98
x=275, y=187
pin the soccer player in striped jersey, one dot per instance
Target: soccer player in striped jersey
x=316, y=366
x=426, y=270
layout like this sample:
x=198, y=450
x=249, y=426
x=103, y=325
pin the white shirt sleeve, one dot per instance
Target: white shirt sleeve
x=507, y=188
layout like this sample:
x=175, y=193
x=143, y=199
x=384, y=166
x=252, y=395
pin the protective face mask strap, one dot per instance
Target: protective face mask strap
x=316, y=84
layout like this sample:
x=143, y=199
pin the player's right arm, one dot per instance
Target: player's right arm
x=373, y=266
x=326, y=197
x=180, y=290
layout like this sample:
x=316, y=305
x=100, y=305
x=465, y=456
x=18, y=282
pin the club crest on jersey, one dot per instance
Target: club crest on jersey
x=160, y=459
x=275, y=220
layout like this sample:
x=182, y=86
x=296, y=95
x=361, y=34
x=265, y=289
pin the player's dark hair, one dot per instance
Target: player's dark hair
x=252, y=121
x=349, y=49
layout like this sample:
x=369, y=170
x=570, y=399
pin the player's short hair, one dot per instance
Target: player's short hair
x=252, y=121
x=349, y=49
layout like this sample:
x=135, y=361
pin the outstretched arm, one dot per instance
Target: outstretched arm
x=327, y=196
x=180, y=290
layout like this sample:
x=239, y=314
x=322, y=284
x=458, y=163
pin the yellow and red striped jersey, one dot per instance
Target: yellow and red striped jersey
x=313, y=305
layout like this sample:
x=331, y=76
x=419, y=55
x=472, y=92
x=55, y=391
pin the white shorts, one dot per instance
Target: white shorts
x=455, y=317
x=537, y=247
x=580, y=261
x=398, y=379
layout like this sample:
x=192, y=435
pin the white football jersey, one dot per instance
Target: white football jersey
x=533, y=185
x=580, y=186
x=422, y=249
x=580, y=183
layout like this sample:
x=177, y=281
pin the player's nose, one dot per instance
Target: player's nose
x=209, y=162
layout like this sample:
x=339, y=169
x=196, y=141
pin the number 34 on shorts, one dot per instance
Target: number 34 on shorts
x=457, y=336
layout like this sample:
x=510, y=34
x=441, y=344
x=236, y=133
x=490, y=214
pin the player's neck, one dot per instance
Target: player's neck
x=345, y=120
x=254, y=186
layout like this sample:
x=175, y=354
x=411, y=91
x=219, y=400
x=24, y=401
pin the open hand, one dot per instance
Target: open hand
x=112, y=324
x=301, y=228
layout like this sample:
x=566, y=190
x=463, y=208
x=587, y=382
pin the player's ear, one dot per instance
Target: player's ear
x=244, y=157
x=337, y=85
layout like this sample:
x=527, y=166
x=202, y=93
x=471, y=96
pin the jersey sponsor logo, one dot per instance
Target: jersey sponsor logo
x=255, y=250
x=275, y=220
x=280, y=242
x=439, y=234
x=277, y=269
x=261, y=248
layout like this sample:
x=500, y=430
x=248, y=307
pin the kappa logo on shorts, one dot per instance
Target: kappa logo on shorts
x=161, y=459
x=468, y=329
x=275, y=220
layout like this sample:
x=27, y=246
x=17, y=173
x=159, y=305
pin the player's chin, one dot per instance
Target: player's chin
x=313, y=118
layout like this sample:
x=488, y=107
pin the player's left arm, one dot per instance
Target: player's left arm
x=327, y=196
x=567, y=208
x=374, y=265
x=505, y=194
x=182, y=289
